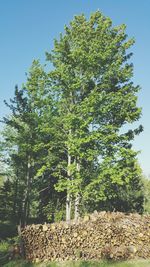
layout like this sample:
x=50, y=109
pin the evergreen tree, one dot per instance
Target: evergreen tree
x=21, y=138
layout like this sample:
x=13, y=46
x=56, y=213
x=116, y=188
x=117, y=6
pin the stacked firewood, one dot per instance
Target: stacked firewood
x=99, y=235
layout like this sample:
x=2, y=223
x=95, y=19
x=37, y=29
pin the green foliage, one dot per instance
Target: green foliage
x=146, y=188
x=5, y=247
x=65, y=137
x=53, y=212
x=92, y=77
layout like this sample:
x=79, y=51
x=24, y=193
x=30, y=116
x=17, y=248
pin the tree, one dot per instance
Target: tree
x=96, y=98
x=29, y=139
x=18, y=141
x=48, y=143
x=65, y=137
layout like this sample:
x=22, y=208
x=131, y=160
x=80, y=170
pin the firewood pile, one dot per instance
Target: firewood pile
x=100, y=235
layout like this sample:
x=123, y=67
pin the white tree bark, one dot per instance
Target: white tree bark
x=77, y=199
x=68, y=198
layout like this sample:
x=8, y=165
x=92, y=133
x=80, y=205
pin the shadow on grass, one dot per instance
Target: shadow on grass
x=18, y=263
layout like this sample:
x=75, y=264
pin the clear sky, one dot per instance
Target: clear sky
x=27, y=30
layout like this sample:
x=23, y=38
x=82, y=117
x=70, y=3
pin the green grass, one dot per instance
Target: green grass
x=5, y=245
x=138, y=263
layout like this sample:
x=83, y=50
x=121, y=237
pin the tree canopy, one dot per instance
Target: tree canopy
x=68, y=137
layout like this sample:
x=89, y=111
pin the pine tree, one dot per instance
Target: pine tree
x=20, y=135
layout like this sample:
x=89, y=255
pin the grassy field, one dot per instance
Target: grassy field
x=139, y=263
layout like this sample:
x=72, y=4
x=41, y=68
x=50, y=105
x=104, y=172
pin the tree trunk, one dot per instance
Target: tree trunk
x=27, y=194
x=77, y=199
x=68, y=207
x=68, y=198
x=76, y=210
x=15, y=196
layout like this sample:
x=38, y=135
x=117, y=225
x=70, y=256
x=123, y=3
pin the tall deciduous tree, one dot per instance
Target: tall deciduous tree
x=92, y=76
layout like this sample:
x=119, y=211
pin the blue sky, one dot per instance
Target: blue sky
x=27, y=31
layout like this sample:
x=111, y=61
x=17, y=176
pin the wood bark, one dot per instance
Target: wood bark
x=68, y=197
x=26, y=201
x=15, y=195
x=77, y=198
x=76, y=210
x=108, y=235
